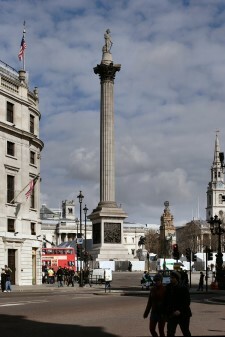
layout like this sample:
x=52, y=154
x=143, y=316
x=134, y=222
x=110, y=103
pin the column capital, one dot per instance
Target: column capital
x=107, y=72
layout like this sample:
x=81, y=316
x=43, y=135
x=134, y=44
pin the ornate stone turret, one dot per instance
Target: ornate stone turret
x=167, y=231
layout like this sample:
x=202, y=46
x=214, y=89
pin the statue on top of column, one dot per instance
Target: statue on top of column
x=108, y=42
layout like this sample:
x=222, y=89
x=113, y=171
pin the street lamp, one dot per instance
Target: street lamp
x=216, y=229
x=85, y=209
x=80, y=198
x=77, y=222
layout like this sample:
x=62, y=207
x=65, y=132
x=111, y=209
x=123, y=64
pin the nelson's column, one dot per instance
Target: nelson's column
x=107, y=218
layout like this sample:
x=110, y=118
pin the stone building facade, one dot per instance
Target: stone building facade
x=20, y=149
x=167, y=232
x=57, y=228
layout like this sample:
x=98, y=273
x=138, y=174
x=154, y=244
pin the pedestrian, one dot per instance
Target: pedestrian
x=70, y=279
x=3, y=280
x=51, y=275
x=155, y=306
x=184, y=278
x=146, y=280
x=8, y=273
x=130, y=266
x=177, y=306
x=201, y=281
x=59, y=275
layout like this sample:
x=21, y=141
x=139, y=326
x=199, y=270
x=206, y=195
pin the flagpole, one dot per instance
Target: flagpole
x=23, y=189
x=24, y=32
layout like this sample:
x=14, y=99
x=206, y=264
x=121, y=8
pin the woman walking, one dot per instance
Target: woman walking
x=155, y=305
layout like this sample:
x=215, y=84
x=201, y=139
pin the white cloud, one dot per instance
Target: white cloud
x=169, y=97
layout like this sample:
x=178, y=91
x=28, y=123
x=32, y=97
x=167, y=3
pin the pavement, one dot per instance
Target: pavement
x=99, y=289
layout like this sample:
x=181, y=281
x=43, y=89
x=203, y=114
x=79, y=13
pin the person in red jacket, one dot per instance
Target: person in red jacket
x=155, y=305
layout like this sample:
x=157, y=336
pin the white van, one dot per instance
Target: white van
x=100, y=275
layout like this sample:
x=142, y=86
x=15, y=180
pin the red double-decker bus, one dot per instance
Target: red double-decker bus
x=55, y=257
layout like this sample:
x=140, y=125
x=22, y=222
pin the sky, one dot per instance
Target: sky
x=169, y=97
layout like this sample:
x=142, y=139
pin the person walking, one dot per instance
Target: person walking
x=177, y=306
x=51, y=275
x=59, y=275
x=70, y=279
x=3, y=280
x=8, y=272
x=155, y=306
x=201, y=282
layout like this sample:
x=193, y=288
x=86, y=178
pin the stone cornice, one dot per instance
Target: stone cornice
x=107, y=72
x=32, y=138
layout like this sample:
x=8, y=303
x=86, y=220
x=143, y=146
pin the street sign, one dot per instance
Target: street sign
x=79, y=241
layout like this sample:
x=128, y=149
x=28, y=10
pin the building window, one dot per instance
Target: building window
x=32, y=200
x=10, y=107
x=209, y=199
x=11, y=225
x=132, y=251
x=32, y=157
x=32, y=228
x=31, y=123
x=10, y=188
x=220, y=199
x=10, y=149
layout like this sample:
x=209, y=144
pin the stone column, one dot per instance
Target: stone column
x=107, y=158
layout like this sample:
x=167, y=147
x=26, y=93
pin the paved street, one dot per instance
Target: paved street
x=90, y=312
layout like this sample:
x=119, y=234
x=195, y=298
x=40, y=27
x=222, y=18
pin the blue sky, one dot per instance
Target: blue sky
x=169, y=97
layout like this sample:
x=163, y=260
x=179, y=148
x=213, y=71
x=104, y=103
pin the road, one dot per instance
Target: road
x=90, y=312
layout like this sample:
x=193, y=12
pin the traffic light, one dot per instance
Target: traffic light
x=188, y=254
x=79, y=249
x=209, y=254
x=176, y=253
x=194, y=256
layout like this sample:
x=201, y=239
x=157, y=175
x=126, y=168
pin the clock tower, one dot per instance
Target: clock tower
x=216, y=187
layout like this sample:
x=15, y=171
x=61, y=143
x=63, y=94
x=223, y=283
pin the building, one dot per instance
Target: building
x=167, y=232
x=216, y=186
x=20, y=148
x=58, y=226
x=196, y=234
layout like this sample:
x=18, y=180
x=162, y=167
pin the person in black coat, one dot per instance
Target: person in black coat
x=201, y=281
x=3, y=280
x=177, y=306
x=59, y=275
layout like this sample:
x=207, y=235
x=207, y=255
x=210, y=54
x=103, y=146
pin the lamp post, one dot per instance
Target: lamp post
x=80, y=198
x=85, y=209
x=216, y=229
x=77, y=222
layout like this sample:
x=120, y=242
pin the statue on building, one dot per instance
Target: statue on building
x=108, y=42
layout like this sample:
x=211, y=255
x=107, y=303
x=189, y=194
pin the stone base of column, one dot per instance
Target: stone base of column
x=107, y=232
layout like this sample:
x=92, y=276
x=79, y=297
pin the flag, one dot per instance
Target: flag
x=31, y=186
x=23, y=46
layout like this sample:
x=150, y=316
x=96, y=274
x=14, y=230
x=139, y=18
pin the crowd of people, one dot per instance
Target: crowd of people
x=63, y=276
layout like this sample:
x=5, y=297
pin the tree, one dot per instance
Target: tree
x=152, y=242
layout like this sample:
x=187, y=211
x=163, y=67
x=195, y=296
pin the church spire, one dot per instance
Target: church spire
x=217, y=169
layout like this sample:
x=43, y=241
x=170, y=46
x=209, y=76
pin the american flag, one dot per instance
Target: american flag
x=23, y=46
x=31, y=187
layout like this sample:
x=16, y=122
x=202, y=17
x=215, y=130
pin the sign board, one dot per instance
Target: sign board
x=79, y=241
